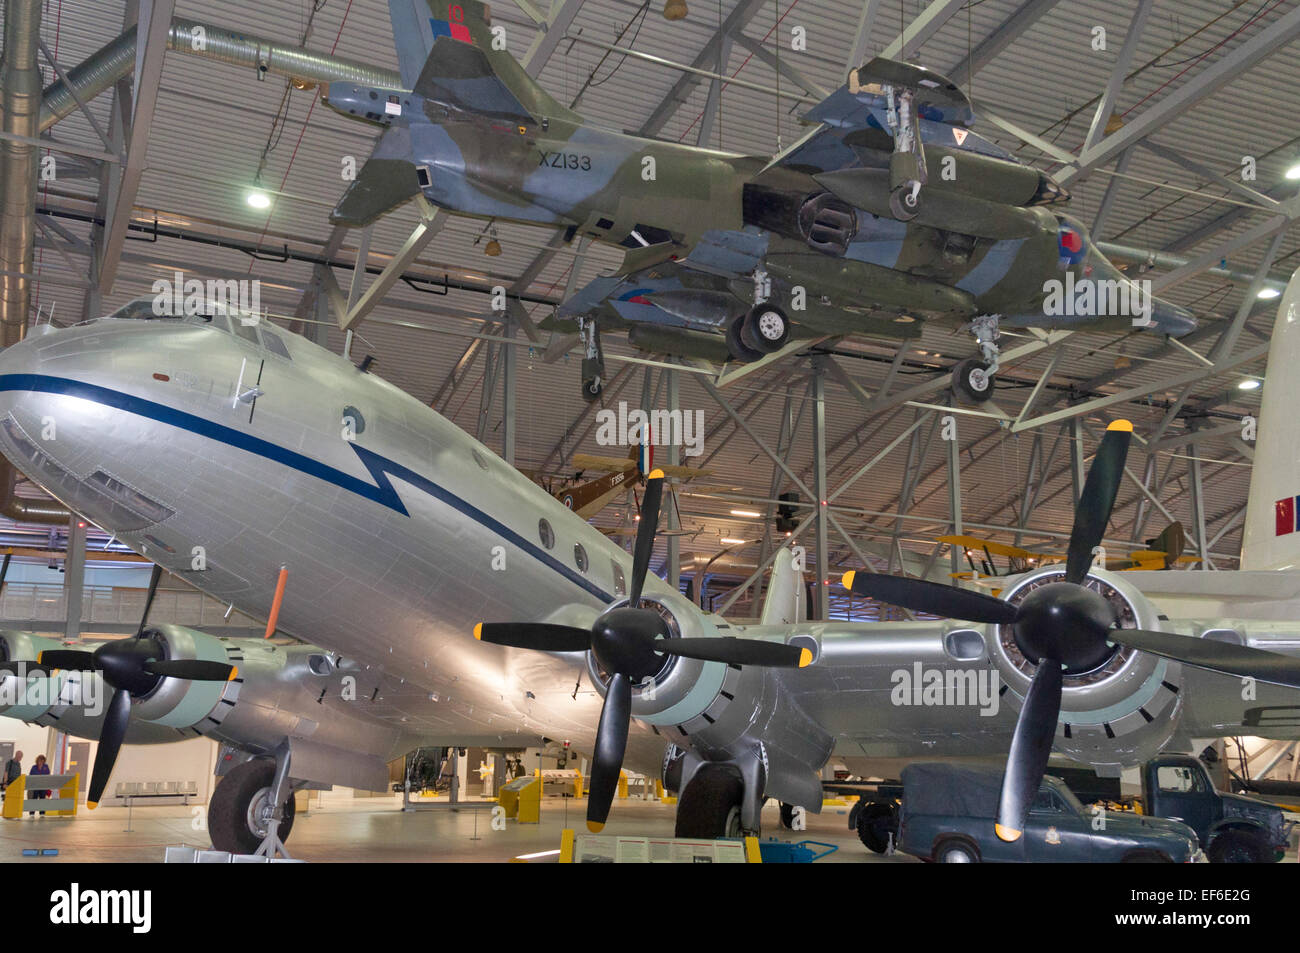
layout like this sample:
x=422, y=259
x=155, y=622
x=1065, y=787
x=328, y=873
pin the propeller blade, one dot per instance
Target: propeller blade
x=110, y=742
x=194, y=670
x=611, y=743
x=534, y=635
x=71, y=659
x=154, y=577
x=1031, y=746
x=4, y=570
x=738, y=652
x=645, y=534
x=933, y=597
x=1092, y=512
x=1222, y=657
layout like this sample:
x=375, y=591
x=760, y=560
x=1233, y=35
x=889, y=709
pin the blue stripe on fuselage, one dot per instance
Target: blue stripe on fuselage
x=379, y=467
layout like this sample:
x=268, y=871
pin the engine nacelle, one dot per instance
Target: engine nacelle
x=1121, y=713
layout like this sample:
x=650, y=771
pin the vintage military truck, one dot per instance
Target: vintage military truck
x=1233, y=828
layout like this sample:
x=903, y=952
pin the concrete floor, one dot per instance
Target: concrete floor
x=377, y=830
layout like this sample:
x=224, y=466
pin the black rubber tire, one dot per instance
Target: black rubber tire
x=787, y=816
x=708, y=803
x=228, y=809
x=740, y=351
x=1238, y=847
x=875, y=823
x=902, y=205
x=955, y=851
x=968, y=389
x=591, y=389
x=757, y=325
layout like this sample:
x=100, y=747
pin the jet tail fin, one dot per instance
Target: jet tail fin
x=784, y=604
x=447, y=53
x=1271, y=539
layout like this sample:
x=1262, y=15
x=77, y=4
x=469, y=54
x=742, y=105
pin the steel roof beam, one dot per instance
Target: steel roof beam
x=989, y=48
x=154, y=26
x=1271, y=38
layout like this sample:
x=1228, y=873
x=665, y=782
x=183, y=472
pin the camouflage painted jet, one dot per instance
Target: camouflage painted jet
x=888, y=213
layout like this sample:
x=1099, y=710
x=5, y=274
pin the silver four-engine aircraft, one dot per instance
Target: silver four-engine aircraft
x=401, y=534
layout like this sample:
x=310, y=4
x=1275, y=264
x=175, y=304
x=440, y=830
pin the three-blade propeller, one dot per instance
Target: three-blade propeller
x=629, y=643
x=1066, y=629
x=131, y=667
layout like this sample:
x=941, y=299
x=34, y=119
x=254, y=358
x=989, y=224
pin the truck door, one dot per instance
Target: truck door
x=1055, y=832
x=1183, y=794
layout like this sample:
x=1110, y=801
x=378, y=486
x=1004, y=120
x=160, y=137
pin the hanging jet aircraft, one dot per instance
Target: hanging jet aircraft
x=889, y=212
x=403, y=538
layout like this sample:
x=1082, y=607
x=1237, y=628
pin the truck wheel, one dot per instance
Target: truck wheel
x=1238, y=847
x=709, y=808
x=1146, y=857
x=875, y=823
x=956, y=852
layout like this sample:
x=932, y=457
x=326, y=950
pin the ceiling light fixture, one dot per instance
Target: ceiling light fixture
x=1268, y=294
x=1249, y=384
x=752, y=514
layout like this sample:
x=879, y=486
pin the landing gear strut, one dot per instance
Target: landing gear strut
x=762, y=329
x=593, y=361
x=907, y=172
x=243, y=817
x=972, y=379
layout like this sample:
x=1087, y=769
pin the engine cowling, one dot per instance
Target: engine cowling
x=1122, y=712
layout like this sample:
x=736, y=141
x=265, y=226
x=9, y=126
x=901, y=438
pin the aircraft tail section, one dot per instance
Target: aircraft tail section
x=1272, y=534
x=449, y=53
x=784, y=604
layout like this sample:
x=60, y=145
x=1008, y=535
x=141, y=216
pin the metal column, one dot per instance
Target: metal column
x=74, y=576
x=954, y=497
x=818, y=389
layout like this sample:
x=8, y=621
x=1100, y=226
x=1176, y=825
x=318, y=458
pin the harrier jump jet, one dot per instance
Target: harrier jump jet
x=888, y=213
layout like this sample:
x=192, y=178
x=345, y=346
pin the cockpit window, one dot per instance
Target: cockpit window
x=219, y=322
x=275, y=345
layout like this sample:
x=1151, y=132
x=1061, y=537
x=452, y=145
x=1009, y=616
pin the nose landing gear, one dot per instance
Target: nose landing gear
x=972, y=379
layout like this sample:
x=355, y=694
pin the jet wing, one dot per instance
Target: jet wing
x=386, y=181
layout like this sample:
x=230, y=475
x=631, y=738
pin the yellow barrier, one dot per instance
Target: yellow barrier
x=622, y=785
x=15, y=793
x=522, y=800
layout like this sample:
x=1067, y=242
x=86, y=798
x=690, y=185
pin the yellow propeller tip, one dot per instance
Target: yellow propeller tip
x=478, y=631
x=39, y=656
x=595, y=827
x=234, y=674
x=1124, y=425
x=1006, y=833
x=91, y=805
x=846, y=580
x=656, y=474
x=805, y=658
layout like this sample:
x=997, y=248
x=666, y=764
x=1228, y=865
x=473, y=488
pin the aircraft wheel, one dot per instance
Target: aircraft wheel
x=972, y=381
x=765, y=329
x=740, y=351
x=709, y=808
x=238, y=811
x=591, y=389
x=787, y=816
x=903, y=204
